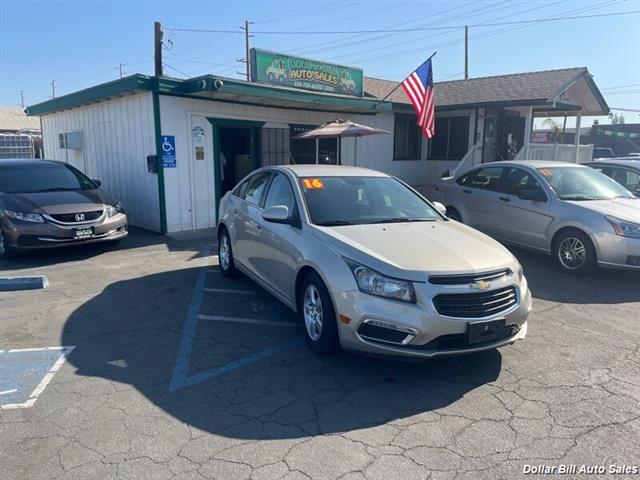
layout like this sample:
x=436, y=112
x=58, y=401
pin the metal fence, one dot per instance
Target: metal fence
x=17, y=146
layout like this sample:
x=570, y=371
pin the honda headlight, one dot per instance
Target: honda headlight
x=623, y=228
x=24, y=217
x=113, y=209
x=371, y=282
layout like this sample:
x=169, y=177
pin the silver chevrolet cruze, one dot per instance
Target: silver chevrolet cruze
x=370, y=265
x=577, y=214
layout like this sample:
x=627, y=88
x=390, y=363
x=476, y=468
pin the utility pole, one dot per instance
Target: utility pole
x=119, y=67
x=246, y=49
x=22, y=98
x=53, y=89
x=157, y=48
x=466, y=52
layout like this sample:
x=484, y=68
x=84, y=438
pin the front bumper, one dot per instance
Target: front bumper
x=25, y=235
x=615, y=251
x=435, y=335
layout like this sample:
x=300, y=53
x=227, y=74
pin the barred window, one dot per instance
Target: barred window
x=407, y=138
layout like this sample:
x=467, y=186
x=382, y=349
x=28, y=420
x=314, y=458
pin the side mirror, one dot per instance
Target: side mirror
x=97, y=182
x=440, y=207
x=533, y=194
x=277, y=214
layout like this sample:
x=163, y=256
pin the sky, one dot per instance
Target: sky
x=81, y=43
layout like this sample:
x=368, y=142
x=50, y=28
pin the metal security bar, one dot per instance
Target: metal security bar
x=274, y=146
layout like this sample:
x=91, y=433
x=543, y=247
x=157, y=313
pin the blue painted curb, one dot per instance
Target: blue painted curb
x=11, y=284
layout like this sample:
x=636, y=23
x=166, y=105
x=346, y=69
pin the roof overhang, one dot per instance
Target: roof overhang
x=213, y=88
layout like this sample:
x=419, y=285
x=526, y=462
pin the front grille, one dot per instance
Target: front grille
x=71, y=217
x=477, y=304
x=470, y=278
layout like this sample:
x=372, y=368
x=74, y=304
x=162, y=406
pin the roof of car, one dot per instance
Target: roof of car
x=25, y=161
x=622, y=162
x=331, y=171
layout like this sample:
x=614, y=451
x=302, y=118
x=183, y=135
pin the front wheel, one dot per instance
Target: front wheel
x=225, y=255
x=574, y=253
x=5, y=251
x=318, y=315
x=453, y=214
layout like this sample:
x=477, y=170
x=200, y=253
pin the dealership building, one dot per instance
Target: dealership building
x=169, y=148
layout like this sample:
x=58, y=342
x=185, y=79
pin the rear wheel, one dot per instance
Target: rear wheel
x=574, y=252
x=318, y=316
x=225, y=255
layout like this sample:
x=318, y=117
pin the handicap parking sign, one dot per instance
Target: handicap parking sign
x=168, y=151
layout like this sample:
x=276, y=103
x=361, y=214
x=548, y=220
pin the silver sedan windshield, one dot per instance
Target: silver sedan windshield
x=577, y=183
x=334, y=201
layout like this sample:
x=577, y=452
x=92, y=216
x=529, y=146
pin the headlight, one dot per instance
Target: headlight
x=520, y=272
x=371, y=282
x=624, y=229
x=113, y=209
x=24, y=217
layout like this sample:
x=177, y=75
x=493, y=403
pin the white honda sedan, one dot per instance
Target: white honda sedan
x=370, y=265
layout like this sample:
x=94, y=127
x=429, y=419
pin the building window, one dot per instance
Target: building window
x=451, y=140
x=407, y=138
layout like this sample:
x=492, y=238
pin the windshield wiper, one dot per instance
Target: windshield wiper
x=334, y=223
x=57, y=189
x=402, y=220
x=578, y=198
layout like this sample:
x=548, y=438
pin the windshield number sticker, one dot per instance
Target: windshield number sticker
x=313, y=183
x=545, y=172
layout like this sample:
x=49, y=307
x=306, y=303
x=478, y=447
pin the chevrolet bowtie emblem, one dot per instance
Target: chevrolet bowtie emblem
x=480, y=285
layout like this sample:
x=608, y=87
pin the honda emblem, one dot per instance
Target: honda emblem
x=79, y=217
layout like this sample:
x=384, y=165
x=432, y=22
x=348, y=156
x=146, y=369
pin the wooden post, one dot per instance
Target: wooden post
x=157, y=48
x=578, y=122
x=528, y=126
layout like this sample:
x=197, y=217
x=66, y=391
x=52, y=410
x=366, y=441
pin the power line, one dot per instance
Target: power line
x=410, y=29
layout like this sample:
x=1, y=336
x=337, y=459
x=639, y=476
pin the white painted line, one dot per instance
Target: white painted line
x=254, y=321
x=7, y=392
x=64, y=353
x=226, y=290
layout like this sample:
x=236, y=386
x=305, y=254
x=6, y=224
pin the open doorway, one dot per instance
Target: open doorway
x=236, y=156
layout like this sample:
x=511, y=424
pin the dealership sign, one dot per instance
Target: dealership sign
x=297, y=72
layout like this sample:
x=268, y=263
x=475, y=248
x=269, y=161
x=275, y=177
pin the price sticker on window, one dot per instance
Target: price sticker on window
x=313, y=183
x=545, y=172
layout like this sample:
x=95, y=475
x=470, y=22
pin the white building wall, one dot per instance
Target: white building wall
x=190, y=187
x=118, y=135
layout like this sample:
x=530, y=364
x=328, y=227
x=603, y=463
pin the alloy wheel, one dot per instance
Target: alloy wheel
x=312, y=305
x=224, y=253
x=572, y=253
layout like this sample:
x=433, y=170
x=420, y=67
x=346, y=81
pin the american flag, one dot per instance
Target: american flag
x=419, y=88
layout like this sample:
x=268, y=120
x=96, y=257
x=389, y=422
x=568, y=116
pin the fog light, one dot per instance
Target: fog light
x=387, y=332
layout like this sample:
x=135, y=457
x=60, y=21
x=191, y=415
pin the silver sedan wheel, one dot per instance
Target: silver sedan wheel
x=224, y=252
x=312, y=306
x=572, y=253
x=2, y=246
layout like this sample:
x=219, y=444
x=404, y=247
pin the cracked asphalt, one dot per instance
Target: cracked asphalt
x=568, y=394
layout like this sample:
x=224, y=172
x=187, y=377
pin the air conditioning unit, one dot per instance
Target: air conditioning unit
x=70, y=140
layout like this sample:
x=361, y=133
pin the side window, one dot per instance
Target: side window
x=627, y=178
x=281, y=193
x=240, y=189
x=517, y=180
x=256, y=188
x=464, y=179
x=485, y=178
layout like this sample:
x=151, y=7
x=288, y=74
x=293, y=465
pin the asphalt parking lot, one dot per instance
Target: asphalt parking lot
x=170, y=371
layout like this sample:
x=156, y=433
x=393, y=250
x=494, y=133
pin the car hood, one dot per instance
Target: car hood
x=408, y=250
x=627, y=209
x=56, y=202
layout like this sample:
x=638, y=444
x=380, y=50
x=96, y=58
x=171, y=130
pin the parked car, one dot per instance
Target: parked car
x=51, y=204
x=580, y=216
x=625, y=172
x=370, y=265
x=602, y=152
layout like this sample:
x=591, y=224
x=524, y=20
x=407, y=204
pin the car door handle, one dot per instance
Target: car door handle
x=466, y=190
x=504, y=199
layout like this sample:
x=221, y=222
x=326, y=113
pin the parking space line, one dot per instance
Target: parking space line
x=7, y=392
x=64, y=353
x=242, y=292
x=253, y=321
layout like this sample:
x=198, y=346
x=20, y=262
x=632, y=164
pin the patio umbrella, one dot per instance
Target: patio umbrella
x=339, y=129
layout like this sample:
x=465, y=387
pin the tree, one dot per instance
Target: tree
x=556, y=130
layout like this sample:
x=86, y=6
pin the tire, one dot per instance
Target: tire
x=225, y=255
x=318, y=316
x=5, y=251
x=574, y=252
x=453, y=214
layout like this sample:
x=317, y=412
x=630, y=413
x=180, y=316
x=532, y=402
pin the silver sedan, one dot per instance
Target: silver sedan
x=580, y=216
x=370, y=265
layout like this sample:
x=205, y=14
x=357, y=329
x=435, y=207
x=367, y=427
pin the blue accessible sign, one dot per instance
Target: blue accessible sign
x=168, y=151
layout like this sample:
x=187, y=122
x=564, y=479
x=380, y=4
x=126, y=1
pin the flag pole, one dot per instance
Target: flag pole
x=400, y=83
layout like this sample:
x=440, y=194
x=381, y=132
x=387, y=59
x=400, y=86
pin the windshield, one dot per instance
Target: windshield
x=578, y=183
x=44, y=177
x=334, y=201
